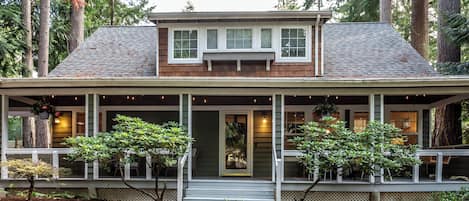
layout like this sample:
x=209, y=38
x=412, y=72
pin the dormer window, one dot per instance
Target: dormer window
x=185, y=44
x=238, y=38
x=293, y=42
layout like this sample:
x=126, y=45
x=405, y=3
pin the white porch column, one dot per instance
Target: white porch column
x=91, y=129
x=376, y=104
x=4, y=129
x=278, y=108
x=185, y=119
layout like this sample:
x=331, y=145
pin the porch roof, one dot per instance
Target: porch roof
x=235, y=82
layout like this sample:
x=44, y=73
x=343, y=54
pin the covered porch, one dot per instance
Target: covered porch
x=241, y=133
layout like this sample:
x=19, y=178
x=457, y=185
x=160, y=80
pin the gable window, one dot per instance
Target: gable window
x=266, y=38
x=185, y=44
x=212, y=39
x=238, y=38
x=293, y=42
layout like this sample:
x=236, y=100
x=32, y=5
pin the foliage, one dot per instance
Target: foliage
x=26, y=168
x=287, y=5
x=52, y=195
x=462, y=195
x=189, y=7
x=15, y=125
x=358, y=10
x=379, y=145
x=326, y=108
x=458, y=28
x=130, y=139
x=11, y=38
x=42, y=106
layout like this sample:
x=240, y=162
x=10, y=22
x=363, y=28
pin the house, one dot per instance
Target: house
x=241, y=82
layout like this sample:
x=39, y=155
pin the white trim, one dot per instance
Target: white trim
x=4, y=105
x=200, y=36
x=273, y=116
x=282, y=134
x=180, y=108
x=322, y=51
x=256, y=41
x=157, y=62
x=371, y=103
x=189, y=132
x=381, y=107
x=316, y=47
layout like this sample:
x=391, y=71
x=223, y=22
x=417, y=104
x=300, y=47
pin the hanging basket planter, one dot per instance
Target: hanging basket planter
x=43, y=109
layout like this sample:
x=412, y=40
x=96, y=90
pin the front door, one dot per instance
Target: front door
x=235, y=143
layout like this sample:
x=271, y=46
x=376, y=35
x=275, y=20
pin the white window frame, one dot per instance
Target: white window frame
x=308, y=45
x=236, y=28
x=256, y=42
x=206, y=38
x=200, y=36
x=271, y=38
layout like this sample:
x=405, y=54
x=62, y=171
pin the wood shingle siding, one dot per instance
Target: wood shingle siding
x=228, y=68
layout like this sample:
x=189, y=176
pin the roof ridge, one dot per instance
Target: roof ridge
x=354, y=23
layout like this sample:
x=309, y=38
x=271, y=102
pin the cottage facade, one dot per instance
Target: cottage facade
x=261, y=71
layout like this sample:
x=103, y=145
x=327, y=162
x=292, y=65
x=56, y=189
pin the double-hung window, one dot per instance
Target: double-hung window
x=293, y=41
x=239, y=38
x=185, y=44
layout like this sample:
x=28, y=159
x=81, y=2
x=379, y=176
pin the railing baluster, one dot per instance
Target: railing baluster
x=55, y=164
x=439, y=167
x=127, y=167
x=34, y=158
x=416, y=170
x=339, y=174
x=148, y=168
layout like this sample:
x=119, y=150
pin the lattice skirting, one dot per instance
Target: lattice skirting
x=329, y=196
x=116, y=194
x=417, y=196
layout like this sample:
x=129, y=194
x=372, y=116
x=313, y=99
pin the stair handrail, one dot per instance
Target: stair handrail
x=278, y=173
x=180, y=176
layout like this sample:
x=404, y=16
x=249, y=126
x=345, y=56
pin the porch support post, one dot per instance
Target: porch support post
x=426, y=129
x=278, y=128
x=185, y=119
x=92, y=128
x=4, y=132
x=376, y=104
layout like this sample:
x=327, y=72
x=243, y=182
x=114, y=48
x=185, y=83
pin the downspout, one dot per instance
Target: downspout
x=316, y=46
x=322, y=50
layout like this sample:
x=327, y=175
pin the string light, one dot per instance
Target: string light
x=128, y=97
x=193, y=98
x=76, y=98
x=337, y=97
x=255, y=100
x=53, y=96
x=133, y=98
x=407, y=97
x=104, y=97
x=310, y=97
x=162, y=97
x=205, y=100
x=270, y=98
x=424, y=95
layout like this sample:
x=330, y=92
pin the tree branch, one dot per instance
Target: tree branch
x=134, y=188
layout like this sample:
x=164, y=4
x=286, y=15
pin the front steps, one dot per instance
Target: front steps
x=229, y=191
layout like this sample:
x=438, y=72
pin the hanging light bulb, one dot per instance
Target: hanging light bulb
x=205, y=100
x=76, y=98
x=133, y=98
x=407, y=97
x=270, y=98
x=254, y=100
x=193, y=98
x=128, y=97
x=310, y=97
x=337, y=97
x=162, y=97
x=53, y=96
x=104, y=97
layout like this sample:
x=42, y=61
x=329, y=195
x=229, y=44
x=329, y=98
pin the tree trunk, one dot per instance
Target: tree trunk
x=77, y=19
x=42, y=133
x=27, y=132
x=112, y=11
x=31, y=188
x=28, y=53
x=43, y=56
x=385, y=8
x=447, y=129
x=447, y=50
x=419, y=27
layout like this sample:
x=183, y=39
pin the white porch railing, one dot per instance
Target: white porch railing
x=180, y=177
x=278, y=175
x=34, y=154
x=441, y=156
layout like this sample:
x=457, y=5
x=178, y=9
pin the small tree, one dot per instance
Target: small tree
x=26, y=168
x=329, y=145
x=130, y=139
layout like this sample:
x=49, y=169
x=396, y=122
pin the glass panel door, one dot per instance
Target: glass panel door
x=236, y=145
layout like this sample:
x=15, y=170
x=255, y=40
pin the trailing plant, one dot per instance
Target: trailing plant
x=26, y=168
x=42, y=106
x=133, y=138
x=329, y=145
x=325, y=109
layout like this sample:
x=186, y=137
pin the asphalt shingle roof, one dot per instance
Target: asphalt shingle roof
x=352, y=50
x=370, y=50
x=113, y=52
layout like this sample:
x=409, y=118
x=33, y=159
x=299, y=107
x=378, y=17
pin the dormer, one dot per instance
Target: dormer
x=255, y=44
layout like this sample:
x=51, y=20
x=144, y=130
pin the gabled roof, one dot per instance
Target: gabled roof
x=352, y=50
x=370, y=50
x=126, y=51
